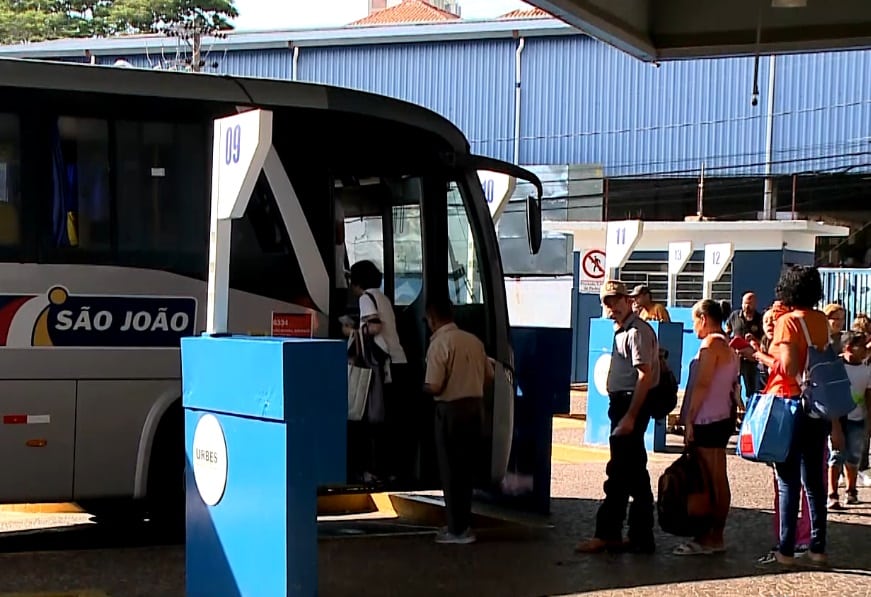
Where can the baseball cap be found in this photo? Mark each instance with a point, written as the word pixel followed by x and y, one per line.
pixel 612 288
pixel 639 290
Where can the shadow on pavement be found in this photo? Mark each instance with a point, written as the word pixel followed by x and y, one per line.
pixel 506 562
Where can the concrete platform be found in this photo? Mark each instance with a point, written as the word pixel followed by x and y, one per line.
pixel 508 560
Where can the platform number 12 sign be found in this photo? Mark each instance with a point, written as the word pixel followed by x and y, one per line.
pixel 718 256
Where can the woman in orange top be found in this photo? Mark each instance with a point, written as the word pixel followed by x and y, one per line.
pixel 799 289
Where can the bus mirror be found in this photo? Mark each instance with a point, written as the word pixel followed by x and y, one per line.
pixel 533 202
pixel 533 223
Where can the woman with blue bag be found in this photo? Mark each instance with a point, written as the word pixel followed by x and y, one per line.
pixel 799 290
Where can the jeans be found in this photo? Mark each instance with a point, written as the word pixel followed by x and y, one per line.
pixel 804 466
pixel 854 443
pixel 627 477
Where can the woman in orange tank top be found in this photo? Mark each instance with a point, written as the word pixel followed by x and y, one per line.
pixel 799 290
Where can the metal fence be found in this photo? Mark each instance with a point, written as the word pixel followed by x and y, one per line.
pixel 848 287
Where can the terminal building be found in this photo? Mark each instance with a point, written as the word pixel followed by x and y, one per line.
pixel 612 137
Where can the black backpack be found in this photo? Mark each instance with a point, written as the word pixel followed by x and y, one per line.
pixel 682 482
pixel 662 398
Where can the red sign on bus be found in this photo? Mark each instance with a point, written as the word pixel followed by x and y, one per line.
pixel 292 325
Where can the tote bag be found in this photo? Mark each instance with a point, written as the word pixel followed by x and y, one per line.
pixel 767 429
pixel 359 382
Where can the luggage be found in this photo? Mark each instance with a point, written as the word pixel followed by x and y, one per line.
pixel 825 385
pixel 662 398
pixel 684 503
pixel 767 429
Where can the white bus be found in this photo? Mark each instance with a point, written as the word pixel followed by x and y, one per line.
pixel 104 198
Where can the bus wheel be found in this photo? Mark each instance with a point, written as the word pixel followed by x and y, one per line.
pixel 166 499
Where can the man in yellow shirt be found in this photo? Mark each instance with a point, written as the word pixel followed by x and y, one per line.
pixel 648 310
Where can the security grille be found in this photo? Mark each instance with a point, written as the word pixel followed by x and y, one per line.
pixel 654 274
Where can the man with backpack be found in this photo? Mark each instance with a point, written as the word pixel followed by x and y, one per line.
pixel 634 371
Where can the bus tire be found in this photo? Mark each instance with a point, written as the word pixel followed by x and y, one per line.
pixel 165 500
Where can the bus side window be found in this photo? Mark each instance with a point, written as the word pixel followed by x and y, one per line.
pixel 10 182
pixel 80 177
pixel 464 269
pixel 162 195
pixel 464 275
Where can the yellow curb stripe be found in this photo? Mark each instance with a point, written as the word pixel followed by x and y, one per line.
pixel 60 508
pixel 578 455
pixel 384 504
pixel 81 593
pixel 568 423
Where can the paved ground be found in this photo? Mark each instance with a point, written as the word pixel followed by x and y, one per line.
pixel 504 563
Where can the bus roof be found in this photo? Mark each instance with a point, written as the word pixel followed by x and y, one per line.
pixel 265 93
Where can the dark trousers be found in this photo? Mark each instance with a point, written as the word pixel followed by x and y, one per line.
pixel 458 428
pixel 627 477
pixel 804 466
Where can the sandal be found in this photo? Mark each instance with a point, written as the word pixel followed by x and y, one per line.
pixel 691 548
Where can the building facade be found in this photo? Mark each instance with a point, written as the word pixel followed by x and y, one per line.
pixel 676 139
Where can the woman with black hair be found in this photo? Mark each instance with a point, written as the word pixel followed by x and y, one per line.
pixel 799 290
pixel 380 337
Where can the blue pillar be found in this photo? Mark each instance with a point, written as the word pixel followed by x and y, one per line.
pixel 598 426
pixel 265 425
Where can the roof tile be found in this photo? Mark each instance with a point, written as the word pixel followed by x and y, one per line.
pixel 533 12
pixel 408 11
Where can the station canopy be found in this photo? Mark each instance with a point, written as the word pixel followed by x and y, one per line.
pixel 671 29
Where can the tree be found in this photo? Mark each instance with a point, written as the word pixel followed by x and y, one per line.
pixel 188 20
pixel 37 20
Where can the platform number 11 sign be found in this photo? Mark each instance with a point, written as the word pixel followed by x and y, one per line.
pixel 621 239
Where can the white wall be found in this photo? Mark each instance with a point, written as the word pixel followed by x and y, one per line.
pixel 539 302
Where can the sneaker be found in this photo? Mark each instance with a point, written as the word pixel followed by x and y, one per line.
pixel 448 538
pixel 774 558
pixel 834 504
pixel 865 478
pixel 852 499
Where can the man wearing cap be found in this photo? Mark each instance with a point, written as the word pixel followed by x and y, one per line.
pixel 648 310
pixel 634 369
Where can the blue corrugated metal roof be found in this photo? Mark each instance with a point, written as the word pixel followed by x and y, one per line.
pixel 599 105
pixel 823 108
pixel 470 83
pixel 465 30
pixel 582 101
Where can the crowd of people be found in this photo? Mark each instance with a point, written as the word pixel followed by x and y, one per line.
pixel 768 351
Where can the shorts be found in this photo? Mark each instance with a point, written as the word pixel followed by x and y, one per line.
pixel 714 435
pixel 854 443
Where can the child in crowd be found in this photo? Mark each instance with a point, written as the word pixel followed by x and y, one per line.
pixel 849 433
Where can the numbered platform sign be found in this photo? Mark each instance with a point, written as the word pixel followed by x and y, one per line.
pixel 718 256
pixel 621 240
pixel 679 254
pixel 239 150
